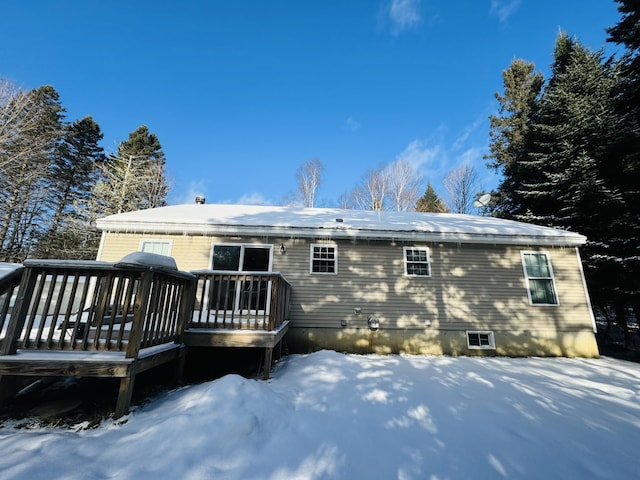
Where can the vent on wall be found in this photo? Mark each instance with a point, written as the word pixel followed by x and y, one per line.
pixel 480 340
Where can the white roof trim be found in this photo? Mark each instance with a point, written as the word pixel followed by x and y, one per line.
pixel 244 220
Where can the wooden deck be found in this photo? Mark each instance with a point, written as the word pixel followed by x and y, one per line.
pixel 97 319
pixel 247 309
pixel 93 319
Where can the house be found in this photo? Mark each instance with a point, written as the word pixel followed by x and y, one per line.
pixel 383 282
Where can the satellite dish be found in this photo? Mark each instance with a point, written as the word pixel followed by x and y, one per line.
pixel 483 201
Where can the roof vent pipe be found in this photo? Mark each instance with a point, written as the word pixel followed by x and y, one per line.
pixel 200 200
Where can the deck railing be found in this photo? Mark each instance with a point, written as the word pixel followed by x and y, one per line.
pixel 82 306
pixel 9 284
pixel 247 300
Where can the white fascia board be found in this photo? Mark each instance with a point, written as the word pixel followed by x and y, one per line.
pixel 336 233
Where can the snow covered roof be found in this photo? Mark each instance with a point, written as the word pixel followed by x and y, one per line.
pixel 225 219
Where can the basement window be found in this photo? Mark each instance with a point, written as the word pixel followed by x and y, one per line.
pixel 480 340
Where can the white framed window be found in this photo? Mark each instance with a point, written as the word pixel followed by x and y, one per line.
pixel 538 273
pixel 416 261
pixel 161 247
pixel 480 340
pixel 323 259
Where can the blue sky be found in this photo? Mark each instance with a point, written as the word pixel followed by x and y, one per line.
pixel 241 93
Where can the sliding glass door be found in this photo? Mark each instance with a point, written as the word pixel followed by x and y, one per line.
pixel 241 293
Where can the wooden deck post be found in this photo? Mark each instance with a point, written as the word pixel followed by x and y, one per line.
pixel 139 314
pixel 124 395
pixel 23 299
pixel 268 356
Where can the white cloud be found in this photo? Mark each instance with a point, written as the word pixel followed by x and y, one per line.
pixel 352 124
pixel 440 153
pixel 419 154
pixel 468 130
pixel 503 9
pixel 193 190
pixel 254 198
pixel 471 156
pixel 404 15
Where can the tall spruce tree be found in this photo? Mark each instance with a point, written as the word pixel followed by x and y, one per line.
pixel 566 141
pixel 624 154
pixel 560 175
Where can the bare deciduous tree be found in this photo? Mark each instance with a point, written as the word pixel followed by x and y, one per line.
pixel 20 117
pixel 371 193
pixel 309 177
pixel 461 185
pixel 30 124
pixel 404 185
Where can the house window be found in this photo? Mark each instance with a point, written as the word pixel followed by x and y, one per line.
pixel 161 247
pixel 539 276
pixel 241 257
pixel 416 262
pixel 324 259
pixel 480 340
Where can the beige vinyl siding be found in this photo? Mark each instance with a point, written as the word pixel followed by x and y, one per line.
pixel 190 252
pixel 471 287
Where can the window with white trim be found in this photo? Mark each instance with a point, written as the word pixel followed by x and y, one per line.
pixel 324 258
pixel 539 275
pixel 480 340
pixel 161 247
pixel 416 262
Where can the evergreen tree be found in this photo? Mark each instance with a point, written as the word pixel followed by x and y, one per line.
pixel 560 173
pixel 134 179
pixel 566 141
pixel 573 129
pixel 624 155
pixel 72 176
pixel 143 154
pixel 508 131
pixel 430 202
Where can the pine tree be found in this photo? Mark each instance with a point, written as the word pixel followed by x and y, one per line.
pixel 430 202
pixel 134 179
pixel 72 176
pixel 508 131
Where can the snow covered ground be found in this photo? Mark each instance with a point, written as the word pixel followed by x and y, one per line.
pixel 330 415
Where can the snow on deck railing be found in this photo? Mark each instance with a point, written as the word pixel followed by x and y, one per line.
pixel 233 300
pixel 82 305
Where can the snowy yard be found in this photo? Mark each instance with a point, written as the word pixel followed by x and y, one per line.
pixel 330 415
